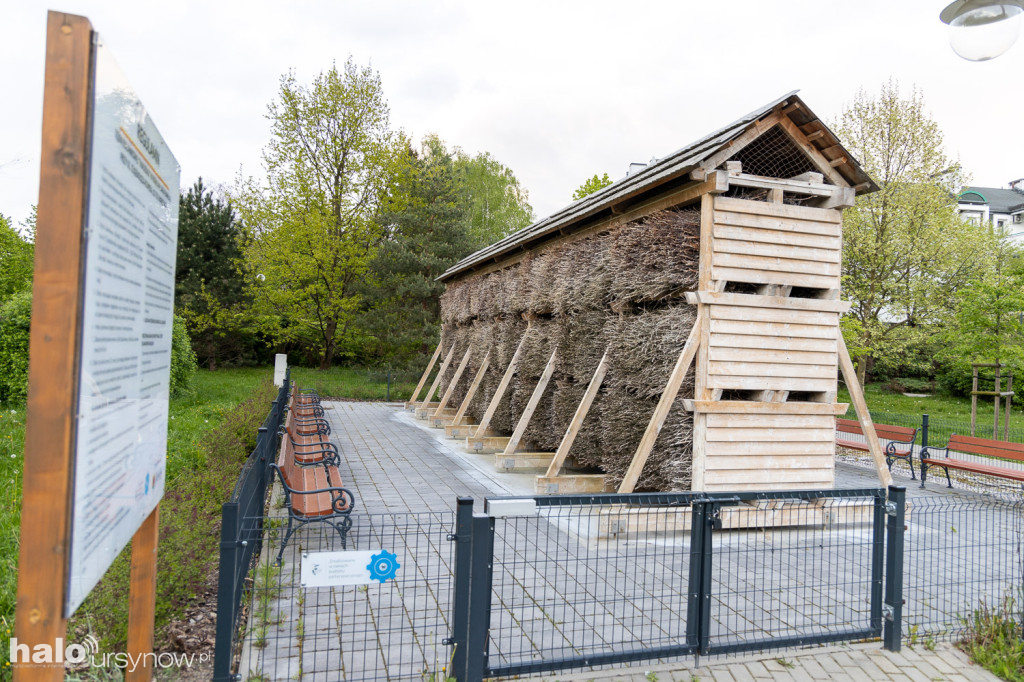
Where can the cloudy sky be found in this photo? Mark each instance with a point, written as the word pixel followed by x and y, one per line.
pixel 557 91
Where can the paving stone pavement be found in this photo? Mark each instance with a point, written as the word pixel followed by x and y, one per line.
pixel 559 591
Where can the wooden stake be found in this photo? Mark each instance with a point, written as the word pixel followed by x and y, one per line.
pixel 440 373
pixel 455 380
pixel 668 397
pixel 863 415
pixel 502 387
pixel 53 344
pixel 577 419
pixel 142 596
pixel 524 419
pixel 426 373
pixel 472 389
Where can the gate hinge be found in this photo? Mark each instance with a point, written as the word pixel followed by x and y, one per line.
pixel 890 508
pixel 451 537
pixel 448 641
pixel 887 612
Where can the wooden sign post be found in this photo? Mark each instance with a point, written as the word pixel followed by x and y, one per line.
pixel 100 346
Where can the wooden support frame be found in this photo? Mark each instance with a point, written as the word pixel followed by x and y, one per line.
pixel 437 379
pixel 426 373
pixel 863 415
pixel 451 385
pixel 531 406
pixel 460 415
pixel 819 160
pixel 499 393
pixel 577 420
pixel 668 397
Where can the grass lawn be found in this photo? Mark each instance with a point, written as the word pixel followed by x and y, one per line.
pixel 937 406
pixel 356 384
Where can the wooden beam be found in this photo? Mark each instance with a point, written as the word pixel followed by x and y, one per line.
pixel 142 596
pixel 842 199
pixel 52 374
pixel 811 137
pixel 753 407
pixel 472 389
pixel 815 156
pixel 738 143
pixel 668 397
pixel 577 419
pixel 451 385
pixel 426 373
pixel 821 305
pixel 437 379
pixel 863 415
pixel 499 393
pixel 794 185
pixel 531 406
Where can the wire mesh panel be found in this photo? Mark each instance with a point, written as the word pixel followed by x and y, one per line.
pixel 959 554
pixel 393 630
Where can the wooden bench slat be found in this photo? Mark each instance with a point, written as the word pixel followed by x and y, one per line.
pixel 984 446
pixel 887 431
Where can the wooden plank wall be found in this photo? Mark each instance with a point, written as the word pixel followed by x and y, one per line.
pixel 771 345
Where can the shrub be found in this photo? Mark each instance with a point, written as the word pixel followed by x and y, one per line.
pixel 183 359
pixel 15 321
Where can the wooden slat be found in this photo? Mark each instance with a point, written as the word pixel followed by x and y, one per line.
pixel 766 342
pixel 142 596
pixel 499 392
pixel 453 383
pixel 797 518
pixel 743 434
pixel 461 414
pixel 772 462
pixel 759 208
pixel 778 421
pixel 768 369
pixel 531 405
pixel 783 251
pixel 755 222
pixel 774 329
pixel 668 396
pixel 768 236
pixel 788 357
pixel 722 448
pixel 577 419
pixel 863 416
pixel 751 261
pixel 753 407
pixel 984 446
pixel 754 383
pixel 820 305
pixel 887 431
pixel 437 380
pixel 426 373
pixel 770 479
pixel 795 279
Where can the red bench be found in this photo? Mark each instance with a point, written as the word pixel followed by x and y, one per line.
pixel 313 488
pixel 900 446
pixel 973 446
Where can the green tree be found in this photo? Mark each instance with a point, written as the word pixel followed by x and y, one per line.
pixel 311 228
pixel 15 322
pixel 210 279
pixel 906 252
pixel 427 227
pixel 16 260
pixel 591 185
pixel 498 205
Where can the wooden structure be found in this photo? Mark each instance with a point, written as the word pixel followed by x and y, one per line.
pixel 765 349
pixel 997 393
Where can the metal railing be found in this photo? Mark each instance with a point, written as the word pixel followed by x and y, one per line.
pixel 241 532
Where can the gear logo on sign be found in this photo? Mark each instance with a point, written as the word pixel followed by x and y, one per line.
pixel 383 566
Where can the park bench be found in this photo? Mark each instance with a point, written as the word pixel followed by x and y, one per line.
pixel 313 489
pixel 900 446
pixel 984 447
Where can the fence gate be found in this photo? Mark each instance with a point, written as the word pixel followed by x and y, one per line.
pixel 555 582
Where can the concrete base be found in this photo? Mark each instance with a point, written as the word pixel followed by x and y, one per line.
pixel 463 431
pixel 492 444
pixel 523 462
pixel 428 412
pixel 417 405
pixel 573 483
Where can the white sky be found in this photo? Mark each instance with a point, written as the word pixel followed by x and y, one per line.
pixel 557 91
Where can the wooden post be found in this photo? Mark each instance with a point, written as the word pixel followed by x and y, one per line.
pixel 142 596
pixel 995 411
pixel 577 420
pixel 499 393
pixel 472 389
pixel 701 391
pixel 863 415
pixel 524 419
pixel 451 386
pixel 426 373
pixel 974 397
pixel 668 397
pixel 440 373
pixel 53 344
pixel 1009 397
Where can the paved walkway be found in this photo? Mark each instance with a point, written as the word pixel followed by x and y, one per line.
pixel 559 589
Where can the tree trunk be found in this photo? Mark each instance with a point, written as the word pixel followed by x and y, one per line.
pixel 328 357
pixel 862 369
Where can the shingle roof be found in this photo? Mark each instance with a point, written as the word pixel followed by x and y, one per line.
pixel 666 169
pixel 999 200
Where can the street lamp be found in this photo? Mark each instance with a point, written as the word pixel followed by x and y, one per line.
pixel 980 30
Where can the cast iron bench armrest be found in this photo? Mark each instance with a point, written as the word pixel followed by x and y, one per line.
pixel 337 493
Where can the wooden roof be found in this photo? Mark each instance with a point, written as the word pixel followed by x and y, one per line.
pixel 674 170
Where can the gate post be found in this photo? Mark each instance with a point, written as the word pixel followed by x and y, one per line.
pixel 226 592
pixel 877 564
pixel 480 598
pixel 698 608
pixel 895 508
pixel 461 599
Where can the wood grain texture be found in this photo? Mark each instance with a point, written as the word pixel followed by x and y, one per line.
pixel 437 380
pixel 460 416
pixel 142 595
pixel 499 392
pixel 426 373
pixel 531 405
pixel 863 416
pixel 577 420
pixel 451 385
pixel 53 346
